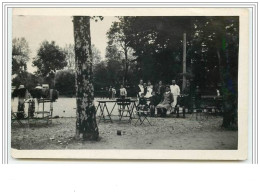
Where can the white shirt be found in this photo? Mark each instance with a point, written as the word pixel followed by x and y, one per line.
pixel 114 91
pixel 149 91
pixel 123 91
pixel 141 87
pixel 175 89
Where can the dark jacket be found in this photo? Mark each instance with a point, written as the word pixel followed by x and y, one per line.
pixel 155 100
pixel 142 101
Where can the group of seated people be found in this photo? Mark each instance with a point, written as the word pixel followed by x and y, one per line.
pixel 160 97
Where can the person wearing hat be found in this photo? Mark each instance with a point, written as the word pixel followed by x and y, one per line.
pixel 175 90
pixel 38 86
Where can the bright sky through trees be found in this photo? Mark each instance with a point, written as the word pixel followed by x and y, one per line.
pixel 36 29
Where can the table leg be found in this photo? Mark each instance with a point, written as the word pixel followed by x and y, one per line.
pixel 101 112
pixel 97 107
pixel 108 113
pixel 132 110
pixel 112 109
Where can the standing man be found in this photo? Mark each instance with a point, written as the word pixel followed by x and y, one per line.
pixel 110 92
pixel 113 93
pixel 175 90
pixel 140 88
pixel 123 92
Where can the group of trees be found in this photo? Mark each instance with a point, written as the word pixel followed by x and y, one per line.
pixel 55 65
pixel 155 45
pixel 50 58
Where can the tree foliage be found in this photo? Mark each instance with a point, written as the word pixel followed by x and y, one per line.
pixel 69 50
pixel 20 55
pixel 119 39
pixel 70 56
pixel 27 79
pixel 65 82
pixel 50 58
pixel 212 52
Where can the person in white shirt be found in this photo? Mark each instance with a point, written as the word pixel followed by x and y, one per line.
pixel 149 90
pixel 123 92
pixel 140 88
pixel 175 90
pixel 113 93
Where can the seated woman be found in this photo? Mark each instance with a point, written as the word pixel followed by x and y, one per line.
pixel 166 103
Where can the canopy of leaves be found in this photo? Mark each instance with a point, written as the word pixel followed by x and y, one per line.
pixel 65 82
pixel 27 79
pixel 70 56
pixel 50 58
pixel 157 43
pixel 20 55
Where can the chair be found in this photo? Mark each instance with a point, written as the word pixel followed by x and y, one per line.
pixel 180 104
pixel 124 106
pixel 15 117
pixel 142 116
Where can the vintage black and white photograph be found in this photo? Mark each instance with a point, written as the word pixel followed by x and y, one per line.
pixel 96 82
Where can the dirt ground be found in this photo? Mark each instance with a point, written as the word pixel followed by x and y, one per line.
pixel 165 133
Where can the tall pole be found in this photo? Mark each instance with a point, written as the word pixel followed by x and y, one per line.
pixel 184 81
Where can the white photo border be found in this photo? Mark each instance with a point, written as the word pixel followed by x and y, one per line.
pixel 253 69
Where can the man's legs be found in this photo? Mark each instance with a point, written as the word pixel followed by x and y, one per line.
pixel 159 111
pixel 174 101
pixel 164 111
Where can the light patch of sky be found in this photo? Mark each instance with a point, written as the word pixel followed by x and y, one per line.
pixel 36 29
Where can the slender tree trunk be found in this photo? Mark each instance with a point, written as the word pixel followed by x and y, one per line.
pixel 86 113
pixel 184 82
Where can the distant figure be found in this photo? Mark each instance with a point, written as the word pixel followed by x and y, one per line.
pixel 106 92
pixel 140 88
pixel 197 97
pixel 123 92
pixel 166 103
pixel 110 92
pixel 187 97
pixel 218 93
pixel 175 90
pixel 113 93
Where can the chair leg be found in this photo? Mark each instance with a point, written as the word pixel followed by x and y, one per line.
pixel 145 118
pixel 148 121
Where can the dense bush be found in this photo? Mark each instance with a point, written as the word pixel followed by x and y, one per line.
pixel 65 82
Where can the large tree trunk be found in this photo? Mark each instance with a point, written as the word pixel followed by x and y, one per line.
pixel 229 102
pixel 86 113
